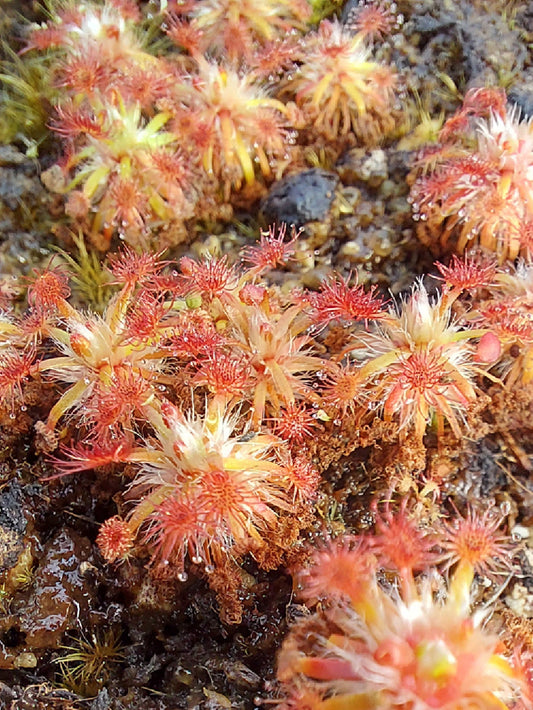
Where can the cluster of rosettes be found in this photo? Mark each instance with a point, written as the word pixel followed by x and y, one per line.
pixel 503 307
pixel 413 644
pixel 508 313
pixel 155 137
pixel 214 481
pixel 417 363
pixel 212 385
pixel 475 186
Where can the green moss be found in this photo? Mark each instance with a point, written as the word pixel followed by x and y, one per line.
pixel 324 8
pixel 26 97
pixel 91 280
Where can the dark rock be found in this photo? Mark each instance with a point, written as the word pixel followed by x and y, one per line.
pixel 304 197
pixel 521 94
pixel 13 524
pixel 425 24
